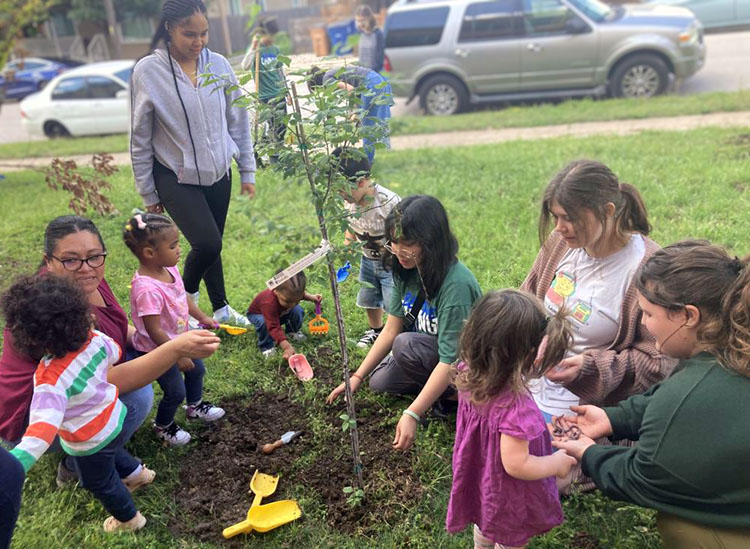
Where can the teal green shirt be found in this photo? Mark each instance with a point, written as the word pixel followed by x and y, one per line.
pixel 271 73
pixel 693 454
pixel 444 315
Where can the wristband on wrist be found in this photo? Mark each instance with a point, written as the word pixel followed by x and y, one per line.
pixel 412 415
pixel 355 374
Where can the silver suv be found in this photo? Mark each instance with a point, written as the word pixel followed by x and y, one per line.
pixel 455 53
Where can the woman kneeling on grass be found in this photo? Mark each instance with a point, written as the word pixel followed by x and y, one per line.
pixel 432 296
pixel 693 454
pixel 73 249
pixel 49 316
pixel 587 265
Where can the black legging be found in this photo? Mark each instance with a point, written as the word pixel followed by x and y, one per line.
pixel 200 213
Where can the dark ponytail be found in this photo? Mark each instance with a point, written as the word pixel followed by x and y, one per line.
pixel 590 185
pixel 172 13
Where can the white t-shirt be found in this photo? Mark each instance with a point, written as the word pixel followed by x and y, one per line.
pixel 593 290
pixel 368 222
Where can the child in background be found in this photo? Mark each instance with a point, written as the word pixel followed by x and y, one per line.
pixel 271 86
pixel 51 316
pixel 160 309
pixel 371 45
pixel 369 204
pixel 272 309
pixel 503 465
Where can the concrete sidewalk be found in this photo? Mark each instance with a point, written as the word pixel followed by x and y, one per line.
pixel 486 137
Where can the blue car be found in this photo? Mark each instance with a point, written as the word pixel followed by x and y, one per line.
pixel 23 77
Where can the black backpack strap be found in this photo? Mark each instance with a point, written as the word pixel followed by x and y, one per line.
pixel 411 317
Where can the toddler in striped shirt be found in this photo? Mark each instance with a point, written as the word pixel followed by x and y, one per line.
pixel 48 315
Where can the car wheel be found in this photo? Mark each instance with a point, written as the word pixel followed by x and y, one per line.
pixel 443 95
pixel 640 76
pixel 54 130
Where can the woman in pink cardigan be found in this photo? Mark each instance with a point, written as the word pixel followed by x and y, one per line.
pixel 587 265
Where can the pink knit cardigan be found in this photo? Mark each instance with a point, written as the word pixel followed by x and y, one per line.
pixel 631 364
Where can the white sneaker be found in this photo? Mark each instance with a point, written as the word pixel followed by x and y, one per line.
pixel 172 434
pixel 297 336
pixel 204 410
pixel 268 353
pixel 227 315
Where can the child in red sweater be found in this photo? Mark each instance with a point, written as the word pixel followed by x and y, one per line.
pixel 272 309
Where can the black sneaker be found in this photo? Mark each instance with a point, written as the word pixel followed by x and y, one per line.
pixel 368 338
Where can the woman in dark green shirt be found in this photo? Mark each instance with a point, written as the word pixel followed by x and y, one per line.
pixel 421 252
pixel 692 461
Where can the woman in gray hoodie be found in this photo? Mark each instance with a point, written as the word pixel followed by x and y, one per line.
pixel 183 137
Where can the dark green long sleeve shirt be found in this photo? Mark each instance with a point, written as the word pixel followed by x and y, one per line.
pixel 693 454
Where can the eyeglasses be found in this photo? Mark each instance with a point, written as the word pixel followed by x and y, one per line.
pixel 74 264
pixel 401 253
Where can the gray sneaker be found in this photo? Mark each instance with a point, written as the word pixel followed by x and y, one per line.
pixel 64 475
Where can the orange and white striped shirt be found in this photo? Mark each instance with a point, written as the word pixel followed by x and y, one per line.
pixel 73 398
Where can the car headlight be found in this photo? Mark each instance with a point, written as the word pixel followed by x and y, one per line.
pixel 689 36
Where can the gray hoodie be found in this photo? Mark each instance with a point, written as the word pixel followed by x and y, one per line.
pixel 159 128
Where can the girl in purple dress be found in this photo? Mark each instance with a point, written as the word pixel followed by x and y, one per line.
pixel 503 465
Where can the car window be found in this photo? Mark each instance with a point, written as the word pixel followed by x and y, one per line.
pixel 124 74
pixel 32 65
pixel 491 21
pixel 70 88
pixel 101 87
pixel 545 17
pixel 415 27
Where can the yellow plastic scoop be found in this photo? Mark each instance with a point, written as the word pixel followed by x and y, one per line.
pixel 231 330
pixel 262 486
pixel 272 515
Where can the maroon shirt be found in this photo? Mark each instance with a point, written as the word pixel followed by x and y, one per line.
pixel 17 370
pixel 267 304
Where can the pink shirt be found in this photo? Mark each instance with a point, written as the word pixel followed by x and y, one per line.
pixel 149 296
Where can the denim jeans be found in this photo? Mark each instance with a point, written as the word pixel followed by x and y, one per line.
pixel 291 320
pixel 101 474
pixel 379 295
pixel 177 387
pixel 11 481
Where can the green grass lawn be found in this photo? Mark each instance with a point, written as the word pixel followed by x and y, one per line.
pixel 542 114
pixel 695 184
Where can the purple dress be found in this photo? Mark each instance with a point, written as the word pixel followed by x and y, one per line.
pixel 507 510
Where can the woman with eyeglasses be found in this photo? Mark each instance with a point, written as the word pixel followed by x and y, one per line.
pixel 74 249
pixel 433 294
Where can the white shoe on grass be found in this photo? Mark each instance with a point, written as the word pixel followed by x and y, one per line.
pixel 227 315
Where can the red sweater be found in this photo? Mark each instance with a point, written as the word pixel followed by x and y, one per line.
pixel 17 371
pixel 267 304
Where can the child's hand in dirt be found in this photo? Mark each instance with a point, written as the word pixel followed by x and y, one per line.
pixel 196 343
pixel 574 448
pixel 563 463
pixel 185 364
pixel 406 432
pixel 354 383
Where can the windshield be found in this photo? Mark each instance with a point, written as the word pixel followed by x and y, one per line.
pixel 593 9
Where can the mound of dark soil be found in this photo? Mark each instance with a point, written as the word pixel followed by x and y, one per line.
pixel 215 494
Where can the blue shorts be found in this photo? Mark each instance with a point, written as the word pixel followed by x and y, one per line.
pixel 371 271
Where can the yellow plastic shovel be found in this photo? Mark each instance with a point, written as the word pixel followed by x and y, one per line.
pixel 263 518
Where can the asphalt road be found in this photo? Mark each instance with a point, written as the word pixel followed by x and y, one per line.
pixel 727 69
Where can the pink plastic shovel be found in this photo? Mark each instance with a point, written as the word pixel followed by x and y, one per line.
pixel 301 367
